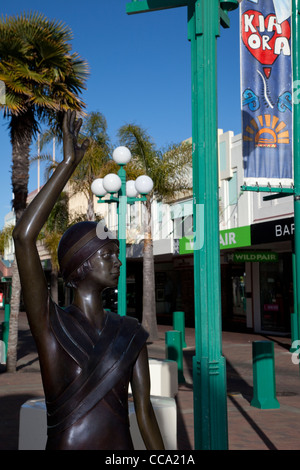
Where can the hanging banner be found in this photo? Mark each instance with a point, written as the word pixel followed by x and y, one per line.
pixel 266 88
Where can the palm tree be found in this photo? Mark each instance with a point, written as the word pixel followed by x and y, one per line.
pixel 96 160
pixel 97 157
pixel 42 78
pixel 54 228
pixel 5 237
pixel 170 171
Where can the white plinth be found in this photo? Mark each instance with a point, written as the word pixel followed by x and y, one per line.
pixel 163 378
pixel 33 424
pixel 166 416
pixel 2 352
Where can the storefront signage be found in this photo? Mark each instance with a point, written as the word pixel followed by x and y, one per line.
pixel 255 257
pixel 230 238
pixel 275 231
pixel 266 232
pixel 235 237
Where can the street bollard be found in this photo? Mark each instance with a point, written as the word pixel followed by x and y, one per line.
pixel 174 351
pixel 5 329
pixel 6 312
pixel 179 325
pixel 264 389
pixel 294 332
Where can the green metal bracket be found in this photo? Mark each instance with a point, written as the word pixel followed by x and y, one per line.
pixel 229 5
pixel 268 189
pixel 276 196
pixel 280 192
pixel 143 6
pixel 107 201
pixel 224 19
pixel 130 200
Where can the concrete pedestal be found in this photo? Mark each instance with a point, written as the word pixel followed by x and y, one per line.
pixel 2 352
pixel 163 377
pixel 33 424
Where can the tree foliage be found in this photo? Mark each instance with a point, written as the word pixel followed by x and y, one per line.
pixel 170 168
pixel 170 171
pixel 5 237
pixel 43 78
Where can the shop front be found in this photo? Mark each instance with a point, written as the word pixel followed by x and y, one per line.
pixel 235 279
pixel 274 299
pixel 257 277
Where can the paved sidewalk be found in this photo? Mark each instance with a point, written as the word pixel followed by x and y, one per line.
pixel 249 428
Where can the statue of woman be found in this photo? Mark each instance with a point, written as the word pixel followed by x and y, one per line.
pixel 87 356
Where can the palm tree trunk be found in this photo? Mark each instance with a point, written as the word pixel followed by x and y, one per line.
pixel 21 136
pixel 11 365
pixel 54 285
pixel 90 214
pixel 149 307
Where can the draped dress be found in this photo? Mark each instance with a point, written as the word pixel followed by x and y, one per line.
pixel 91 412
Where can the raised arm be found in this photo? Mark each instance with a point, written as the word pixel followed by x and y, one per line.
pixel 33 282
pixel 140 385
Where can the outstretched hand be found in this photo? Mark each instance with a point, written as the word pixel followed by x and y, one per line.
pixel 72 151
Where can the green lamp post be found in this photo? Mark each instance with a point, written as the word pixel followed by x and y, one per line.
pixel 296 145
pixel 209 369
pixel 127 193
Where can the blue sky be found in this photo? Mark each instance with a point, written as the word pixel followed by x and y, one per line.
pixel 139 72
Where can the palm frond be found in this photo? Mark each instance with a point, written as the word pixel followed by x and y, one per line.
pixel 170 169
pixel 38 65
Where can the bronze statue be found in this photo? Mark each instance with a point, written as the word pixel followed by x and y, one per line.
pixel 87 356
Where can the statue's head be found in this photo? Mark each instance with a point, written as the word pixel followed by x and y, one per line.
pixel 78 244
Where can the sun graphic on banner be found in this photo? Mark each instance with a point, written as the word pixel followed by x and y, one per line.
pixel 266 131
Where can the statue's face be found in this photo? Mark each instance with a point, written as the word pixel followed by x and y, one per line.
pixel 105 266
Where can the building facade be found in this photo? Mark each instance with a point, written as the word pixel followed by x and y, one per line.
pixel 256 251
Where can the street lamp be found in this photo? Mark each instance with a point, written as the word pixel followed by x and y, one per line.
pixel 127 193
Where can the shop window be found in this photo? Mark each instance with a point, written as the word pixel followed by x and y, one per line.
pixel 183 226
pixel 232 190
pixel 276 294
pixel 238 294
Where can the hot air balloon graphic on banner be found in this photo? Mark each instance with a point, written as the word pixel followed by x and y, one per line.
pixel 266 88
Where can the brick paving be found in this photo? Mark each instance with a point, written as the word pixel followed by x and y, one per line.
pixel 249 428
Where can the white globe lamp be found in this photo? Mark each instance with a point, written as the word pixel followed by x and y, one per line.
pixel 112 183
pixel 97 187
pixel 121 155
pixel 144 184
pixel 131 189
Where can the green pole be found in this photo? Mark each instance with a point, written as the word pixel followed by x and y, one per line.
pixel 179 325
pixel 209 368
pixel 122 208
pixel 6 312
pixel 294 315
pixel 209 371
pixel 174 351
pixel 296 150
pixel 264 388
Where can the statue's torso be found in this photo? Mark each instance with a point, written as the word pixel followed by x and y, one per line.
pixel 86 376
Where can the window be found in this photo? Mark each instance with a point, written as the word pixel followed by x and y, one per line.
pixel 232 190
